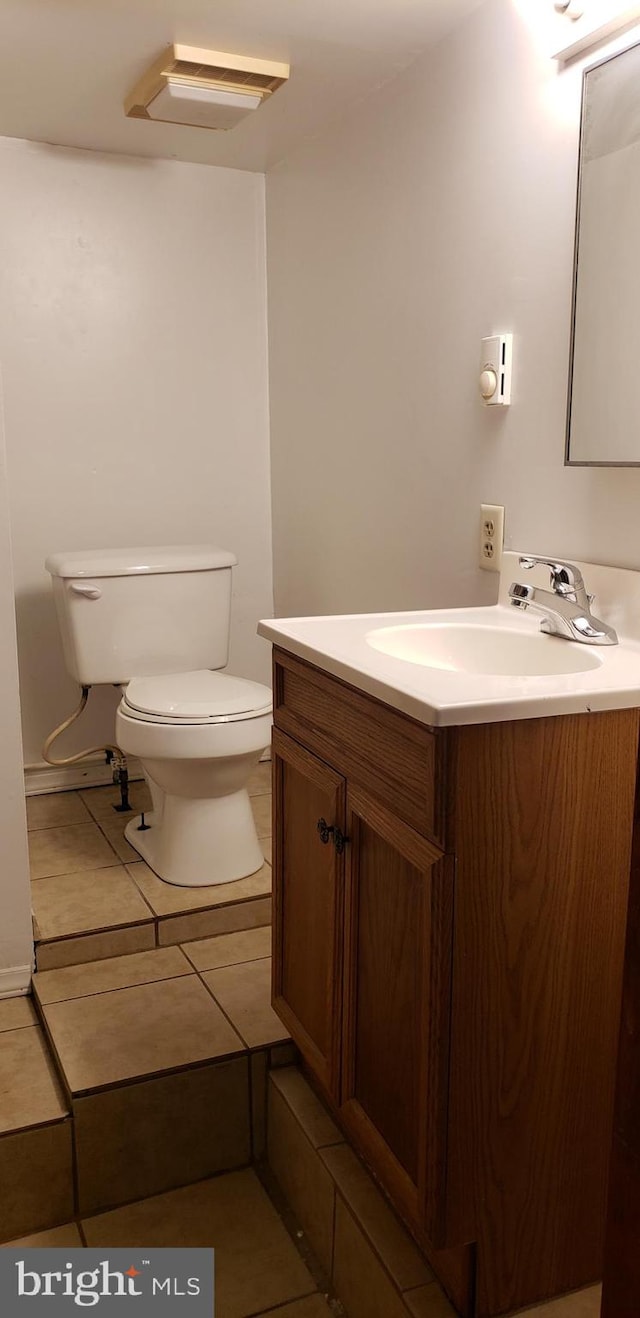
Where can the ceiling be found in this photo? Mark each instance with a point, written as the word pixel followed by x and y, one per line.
pixel 66 66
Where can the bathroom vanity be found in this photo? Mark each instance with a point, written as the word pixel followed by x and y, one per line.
pixel 450 913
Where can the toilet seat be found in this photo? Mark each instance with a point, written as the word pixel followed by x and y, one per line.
pixel 201 697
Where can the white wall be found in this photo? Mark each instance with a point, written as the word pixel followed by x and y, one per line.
pixel 441 211
pixel 16 943
pixel 133 344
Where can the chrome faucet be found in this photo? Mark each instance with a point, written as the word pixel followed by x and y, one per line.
pixel 566 608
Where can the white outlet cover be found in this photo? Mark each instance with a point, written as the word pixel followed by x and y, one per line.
pixel 491 538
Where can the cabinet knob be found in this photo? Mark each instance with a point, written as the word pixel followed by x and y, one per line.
pixel 328 832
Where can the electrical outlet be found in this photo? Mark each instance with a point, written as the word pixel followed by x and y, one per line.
pixel 491 536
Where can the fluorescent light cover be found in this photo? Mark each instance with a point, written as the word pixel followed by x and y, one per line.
pixel 201 107
pixel 602 19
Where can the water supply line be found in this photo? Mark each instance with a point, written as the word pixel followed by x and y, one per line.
pixel 114 755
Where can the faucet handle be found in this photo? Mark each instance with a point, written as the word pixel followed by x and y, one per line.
pixel 566 578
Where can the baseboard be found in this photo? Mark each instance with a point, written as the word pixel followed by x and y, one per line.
pixel 15 981
pixel 40 779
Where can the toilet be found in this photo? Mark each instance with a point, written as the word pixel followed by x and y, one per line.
pixel 155 621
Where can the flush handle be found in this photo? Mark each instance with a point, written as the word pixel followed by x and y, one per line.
pixel 84 588
pixel 328 832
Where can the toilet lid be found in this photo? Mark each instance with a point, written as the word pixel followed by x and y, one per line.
pixel 197 697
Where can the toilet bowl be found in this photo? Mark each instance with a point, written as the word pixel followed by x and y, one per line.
pixel 198 736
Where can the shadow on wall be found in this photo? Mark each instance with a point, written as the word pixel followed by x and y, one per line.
pixel 47 694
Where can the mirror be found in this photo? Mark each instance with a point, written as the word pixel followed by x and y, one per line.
pixel 603 415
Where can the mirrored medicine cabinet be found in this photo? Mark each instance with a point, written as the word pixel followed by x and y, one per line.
pixel 603 412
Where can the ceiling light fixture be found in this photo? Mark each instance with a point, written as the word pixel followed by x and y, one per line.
pixel 594 21
pixel 203 88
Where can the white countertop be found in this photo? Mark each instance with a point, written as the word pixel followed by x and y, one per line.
pixel 442 698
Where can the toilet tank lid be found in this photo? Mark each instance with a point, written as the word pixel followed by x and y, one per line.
pixel 138 562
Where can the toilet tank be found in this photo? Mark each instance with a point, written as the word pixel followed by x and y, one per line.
pixel 127 613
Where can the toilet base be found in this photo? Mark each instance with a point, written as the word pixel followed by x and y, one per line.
pixel 195 843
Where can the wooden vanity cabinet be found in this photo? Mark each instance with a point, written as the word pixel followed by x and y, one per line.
pixel 448 958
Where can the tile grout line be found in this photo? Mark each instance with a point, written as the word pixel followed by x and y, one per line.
pixel 157 921
pixel 76 823
pixel 190 970
pixel 314 1148
pixel 72 937
pixel 36 1125
pixel 359 1225
pixel 334 1144
pixel 121 860
pixel 252 1047
pixel 297 1299
pixel 194 910
pixel 90 869
pixel 42 828
pixel 227 1016
pixel 122 988
pixel 198 1064
pixel 55 1058
pixel 84 824
pixel 181 940
pixel 13 1029
pixel 98 993
pixel 250 1088
pixel 139 890
pixel 158 1194
pixel 75 1171
pixel 322 1280
pixel 226 965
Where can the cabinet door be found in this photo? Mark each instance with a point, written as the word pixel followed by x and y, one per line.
pixel 308 890
pixel 397 985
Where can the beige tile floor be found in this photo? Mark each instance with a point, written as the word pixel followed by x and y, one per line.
pixel 127 1046
pixel 107 1038
pixel 16 1013
pixel 258 1269
pixel 36 1185
pixel 112 973
pixel 30 1092
pixel 162 1010
pixel 93 896
pixel 244 993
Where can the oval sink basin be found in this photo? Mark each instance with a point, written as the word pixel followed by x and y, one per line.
pixel 492 651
